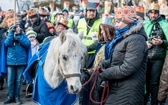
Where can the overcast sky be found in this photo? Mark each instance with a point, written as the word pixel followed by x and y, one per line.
pixel 7 4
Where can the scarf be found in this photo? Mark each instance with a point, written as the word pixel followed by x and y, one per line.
pixel 109 46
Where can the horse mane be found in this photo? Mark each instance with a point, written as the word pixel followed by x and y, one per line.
pixel 66 43
pixel 67 40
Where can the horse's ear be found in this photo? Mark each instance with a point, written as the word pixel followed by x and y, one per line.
pixel 62 36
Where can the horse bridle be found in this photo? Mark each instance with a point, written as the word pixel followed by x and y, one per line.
pixel 69 75
pixel 72 75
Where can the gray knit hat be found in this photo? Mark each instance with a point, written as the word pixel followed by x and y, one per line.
pixel 91 6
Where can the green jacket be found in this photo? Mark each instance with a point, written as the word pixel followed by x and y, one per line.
pixel 163 24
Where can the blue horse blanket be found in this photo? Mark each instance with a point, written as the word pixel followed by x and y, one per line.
pixel 43 94
pixel 3 50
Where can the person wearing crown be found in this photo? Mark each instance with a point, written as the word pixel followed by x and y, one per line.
pixel 125 64
pixel 139 12
pixel 17 57
pixel 38 25
pixel 55 31
pixel 43 13
pixel 156 30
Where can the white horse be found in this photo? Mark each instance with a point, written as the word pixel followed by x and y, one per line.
pixel 62 64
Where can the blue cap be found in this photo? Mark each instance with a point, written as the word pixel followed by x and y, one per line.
pixel 91 6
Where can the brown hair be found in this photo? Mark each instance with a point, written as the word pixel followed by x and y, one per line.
pixel 109 32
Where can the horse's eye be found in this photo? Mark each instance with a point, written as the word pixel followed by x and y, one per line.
pixel 64 57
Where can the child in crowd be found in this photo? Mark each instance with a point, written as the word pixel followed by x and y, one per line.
pixel 34 43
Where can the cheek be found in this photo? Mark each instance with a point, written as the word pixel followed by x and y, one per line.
pixel 95 14
pixel 117 25
pixel 156 15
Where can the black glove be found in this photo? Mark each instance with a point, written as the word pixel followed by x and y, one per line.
pixel 101 70
pixel 161 103
pixel 84 75
pixel 102 64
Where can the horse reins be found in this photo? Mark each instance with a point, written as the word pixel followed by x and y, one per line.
pixel 95 73
pixel 105 88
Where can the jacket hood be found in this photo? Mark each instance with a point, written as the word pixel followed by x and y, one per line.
pixel 138 29
pixel 91 21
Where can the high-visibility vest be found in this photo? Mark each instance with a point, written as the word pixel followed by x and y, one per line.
pixel 70 23
pixel 87 38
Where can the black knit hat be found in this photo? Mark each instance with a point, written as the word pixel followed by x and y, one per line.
pixel 23 15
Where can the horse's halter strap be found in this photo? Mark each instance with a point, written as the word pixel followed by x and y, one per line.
pixel 71 75
pixel 68 75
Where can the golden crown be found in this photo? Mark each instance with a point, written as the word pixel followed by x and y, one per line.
pixel 125 11
pixel 164 9
pixel 31 12
pixel 162 2
pixel 154 6
pixel 139 9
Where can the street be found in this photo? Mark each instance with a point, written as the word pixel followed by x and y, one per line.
pixel 25 101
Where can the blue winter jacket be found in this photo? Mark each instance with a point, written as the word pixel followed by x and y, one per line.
pixel 17 49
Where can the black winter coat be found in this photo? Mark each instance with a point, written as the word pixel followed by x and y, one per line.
pixel 40 28
pixel 126 69
pixel 22 25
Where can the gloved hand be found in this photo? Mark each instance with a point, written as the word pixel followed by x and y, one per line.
pixel 84 75
pixel 101 70
pixel 102 64
pixel 161 103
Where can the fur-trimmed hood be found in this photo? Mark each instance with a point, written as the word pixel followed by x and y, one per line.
pixel 138 29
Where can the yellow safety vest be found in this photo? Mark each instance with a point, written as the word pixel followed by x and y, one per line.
pixel 70 23
pixel 87 38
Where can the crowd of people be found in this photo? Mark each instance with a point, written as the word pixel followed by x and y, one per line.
pixel 130 51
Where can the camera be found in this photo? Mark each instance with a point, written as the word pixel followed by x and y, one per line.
pixel 155 34
pixel 12 28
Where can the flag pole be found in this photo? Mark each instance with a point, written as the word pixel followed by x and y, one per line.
pixel 14 11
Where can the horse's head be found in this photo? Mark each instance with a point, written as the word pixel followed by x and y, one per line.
pixel 71 53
